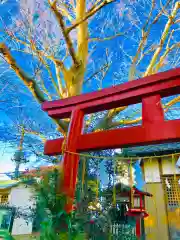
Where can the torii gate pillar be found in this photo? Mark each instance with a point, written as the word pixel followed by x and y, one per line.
pixel 70 161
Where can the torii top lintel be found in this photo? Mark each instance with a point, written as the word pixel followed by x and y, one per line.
pixel 148 90
pixel 164 84
pixel 154 129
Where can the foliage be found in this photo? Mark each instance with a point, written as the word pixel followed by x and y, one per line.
pixel 5 235
pixel 50 204
pixel 53 220
pixel 50 207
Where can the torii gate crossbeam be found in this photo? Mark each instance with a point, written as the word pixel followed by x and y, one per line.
pixel 154 129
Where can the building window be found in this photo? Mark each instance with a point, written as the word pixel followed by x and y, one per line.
pixel 5 221
pixel 172 190
pixel 136 202
pixel 4 198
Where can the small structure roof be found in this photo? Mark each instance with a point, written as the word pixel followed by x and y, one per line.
pixel 5 184
pixel 124 190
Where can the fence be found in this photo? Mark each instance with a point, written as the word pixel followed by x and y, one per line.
pixel 123 232
pixel 117 232
pixel 171 186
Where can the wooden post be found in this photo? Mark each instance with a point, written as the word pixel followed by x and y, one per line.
pixel 152 111
pixel 71 161
pixel 141 202
pixel 138 228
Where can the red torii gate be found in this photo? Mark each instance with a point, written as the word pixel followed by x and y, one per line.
pixel 154 130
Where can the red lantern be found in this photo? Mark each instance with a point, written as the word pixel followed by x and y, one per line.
pixel 137 209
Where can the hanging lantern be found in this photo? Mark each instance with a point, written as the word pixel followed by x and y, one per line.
pixel 137 209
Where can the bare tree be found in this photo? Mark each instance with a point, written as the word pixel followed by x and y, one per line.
pixel 59 49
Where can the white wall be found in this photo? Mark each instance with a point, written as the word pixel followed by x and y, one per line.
pixel 151 170
pixel 168 167
pixel 21 197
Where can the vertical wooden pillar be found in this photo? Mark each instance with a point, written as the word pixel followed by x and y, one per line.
pixel 141 202
pixel 152 118
pixel 71 161
pixel 138 228
pixel 152 111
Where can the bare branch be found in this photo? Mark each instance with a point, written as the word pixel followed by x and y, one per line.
pixel 89 14
pixel 34 49
pixel 104 67
pixel 141 44
pixel 41 136
pixel 163 39
pixel 145 33
pixel 125 122
pixel 29 82
pixel 67 38
pixel 106 38
pixel 65 10
pixel 47 67
pixel 163 57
